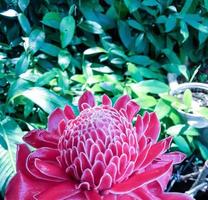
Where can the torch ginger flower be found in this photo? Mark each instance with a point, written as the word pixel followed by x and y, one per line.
pixel 97 155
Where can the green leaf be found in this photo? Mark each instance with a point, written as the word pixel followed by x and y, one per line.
pixel 132 5
pixel 186 6
pixel 22 64
pixel 49 101
pixel 46 78
pixel 203 111
pixel 140 60
pixel 91 26
pixel 50 49
pixel 11 134
pixel 162 109
pixel 146 101
pixel 135 24
pixel 184 30
pixel 170 23
pixel 94 50
pixel 52 19
pixel 24 23
pixel 203 150
pixel 182 129
pixel 64 59
pixel 182 145
pixel 23 4
pixel 187 98
pixel 133 71
pixel 9 13
pixel 67 29
pixel 206 4
pixel 192 20
pixel 36 40
pixel 152 86
pixel 124 33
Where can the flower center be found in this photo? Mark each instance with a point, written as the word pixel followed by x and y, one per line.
pixel 98 148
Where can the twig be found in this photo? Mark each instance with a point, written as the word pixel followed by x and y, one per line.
pixel 194 190
pixel 201 181
pixel 202 175
pixel 189 176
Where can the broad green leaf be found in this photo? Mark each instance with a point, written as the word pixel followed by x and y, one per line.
pixel 94 50
pixel 162 109
pixel 133 71
pixel 194 22
pixel 203 111
pixel 49 101
pixel 182 129
pixel 187 98
pixel 91 26
pixel 186 6
pixel 140 60
pixel 206 4
pixel 67 29
pixel 23 4
pixel 50 49
pixel 152 86
pixel 172 56
pixel 135 24
pixel 80 78
pixel 52 19
pixel 184 30
pixel 11 134
pixel 146 101
pixel 24 23
pixel 36 40
pixel 203 150
pixel 170 23
pixel 64 59
pixel 46 78
pixel 9 13
pixel 124 33
pixel 182 145
pixel 22 64
pixel 16 88
pixel 132 5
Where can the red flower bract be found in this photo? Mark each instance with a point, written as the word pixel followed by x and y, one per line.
pixel 98 154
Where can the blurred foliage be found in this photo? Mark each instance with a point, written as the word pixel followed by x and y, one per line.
pixel 51 51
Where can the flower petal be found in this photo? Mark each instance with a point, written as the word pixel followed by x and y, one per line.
pixel 132 109
pixel 41 138
pixel 106 100
pixel 174 196
pixel 155 150
pixel 140 179
pixel 68 112
pixel 145 194
pixel 53 120
pixel 64 190
pixel 48 158
pixel 176 157
pixel 121 102
pixel 21 187
pixel 92 195
pixel 153 128
pixel 87 98
pixel 22 154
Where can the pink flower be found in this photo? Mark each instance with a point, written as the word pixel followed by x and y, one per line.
pixel 96 155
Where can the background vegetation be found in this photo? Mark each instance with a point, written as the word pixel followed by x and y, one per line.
pixel 53 50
